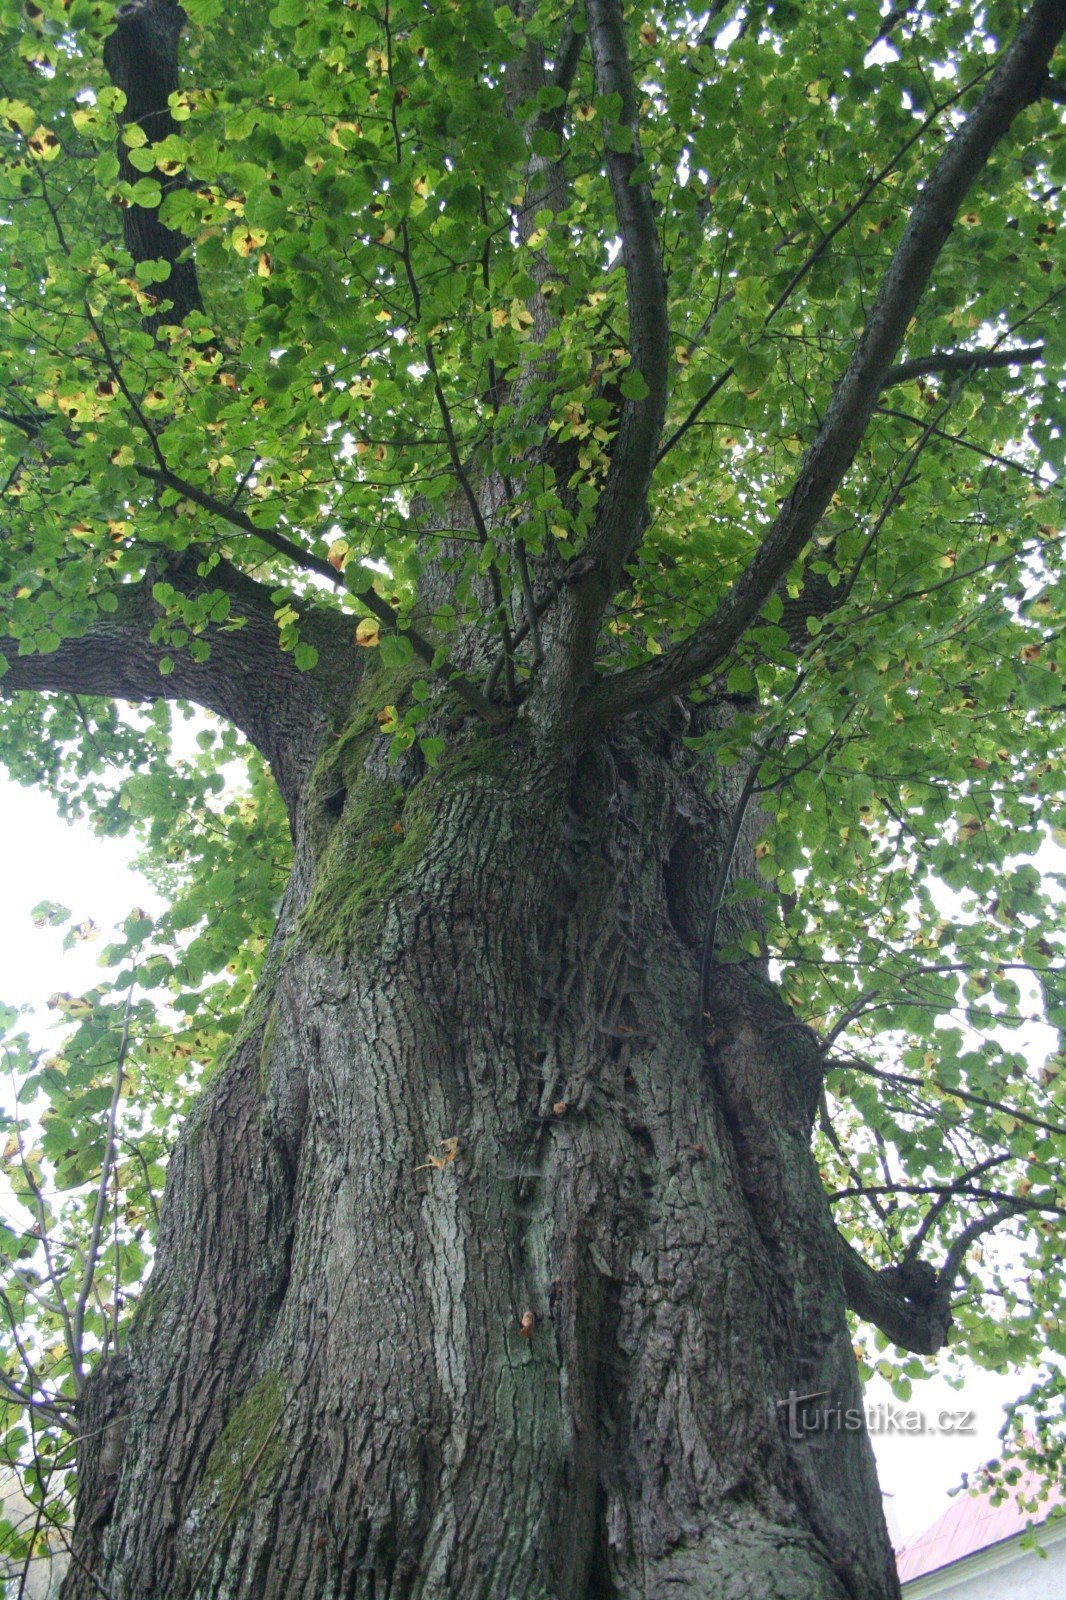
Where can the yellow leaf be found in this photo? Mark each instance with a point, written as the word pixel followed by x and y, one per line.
pixel 368 633
pixel 69 1005
pixel 17 114
pixel 246 240
pixel 43 144
pixel 338 129
pixel 182 105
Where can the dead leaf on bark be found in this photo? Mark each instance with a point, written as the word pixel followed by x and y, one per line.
pixel 450 1148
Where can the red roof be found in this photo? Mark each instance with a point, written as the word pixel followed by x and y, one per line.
pixel 973 1523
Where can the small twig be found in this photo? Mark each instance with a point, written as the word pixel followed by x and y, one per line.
pixel 60 1304
pixel 93 1252
pixel 819 250
pixel 908 1081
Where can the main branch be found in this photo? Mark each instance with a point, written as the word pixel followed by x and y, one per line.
pixel 141 57
pixel 247 678
pixel 622 508
pixel 1017 81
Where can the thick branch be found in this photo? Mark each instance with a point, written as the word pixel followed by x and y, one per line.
pixel 962 361
pixel 31 423
pixel 1015 83
pixel 247 678
pixel 141 57
pixel 912 1303
pixel 622 508
pixel 918 1324
pixel 564 70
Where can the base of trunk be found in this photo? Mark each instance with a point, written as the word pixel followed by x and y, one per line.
pixel 481 1274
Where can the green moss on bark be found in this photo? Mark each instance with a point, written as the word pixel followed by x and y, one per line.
pixel 250 1448
pixel 374 848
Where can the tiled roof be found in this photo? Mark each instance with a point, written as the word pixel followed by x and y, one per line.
pixel 972 1523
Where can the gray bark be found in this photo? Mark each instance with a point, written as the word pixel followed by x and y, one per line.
pixel 549 1367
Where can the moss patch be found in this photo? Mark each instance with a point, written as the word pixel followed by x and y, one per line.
pixel 500 754
pixel 147 1312
pixel 251 1435
pixel 368 854
pixel 379 842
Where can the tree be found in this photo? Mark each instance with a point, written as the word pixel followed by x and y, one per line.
pixel 604 463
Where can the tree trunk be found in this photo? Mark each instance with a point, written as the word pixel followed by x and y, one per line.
pixel 482 1273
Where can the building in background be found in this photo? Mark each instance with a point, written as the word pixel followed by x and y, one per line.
pixel 979 1551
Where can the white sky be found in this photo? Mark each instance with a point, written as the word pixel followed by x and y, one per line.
pixel 48 859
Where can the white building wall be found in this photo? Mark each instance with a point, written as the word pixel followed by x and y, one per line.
pixel 1002 1572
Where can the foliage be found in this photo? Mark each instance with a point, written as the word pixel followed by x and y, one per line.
pixel 399 278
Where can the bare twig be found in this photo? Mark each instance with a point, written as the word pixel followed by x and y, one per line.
pixel 93 1252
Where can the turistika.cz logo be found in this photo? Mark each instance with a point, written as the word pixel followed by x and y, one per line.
pixel 808 1413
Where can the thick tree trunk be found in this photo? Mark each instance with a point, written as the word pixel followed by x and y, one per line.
pixel 482 1274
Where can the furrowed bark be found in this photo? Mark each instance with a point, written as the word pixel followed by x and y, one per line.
pixel 465 1283
pixel 1014 85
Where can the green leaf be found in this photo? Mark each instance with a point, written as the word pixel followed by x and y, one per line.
pixel 634 385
